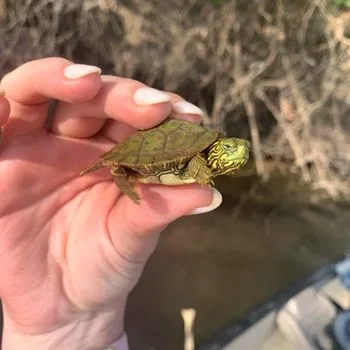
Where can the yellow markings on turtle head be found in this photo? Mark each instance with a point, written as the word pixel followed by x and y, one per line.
pixel 227 155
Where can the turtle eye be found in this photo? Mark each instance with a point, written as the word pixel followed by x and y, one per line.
pixel 228 147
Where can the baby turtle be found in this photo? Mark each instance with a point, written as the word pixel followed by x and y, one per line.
pixel 175 152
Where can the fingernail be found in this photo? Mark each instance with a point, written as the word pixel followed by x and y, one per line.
pixel 185 107
pixel 2 93
pixel 217 200
pixel 146 96
pixel 76 71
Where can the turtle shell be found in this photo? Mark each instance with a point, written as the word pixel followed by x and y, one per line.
pixel 170 144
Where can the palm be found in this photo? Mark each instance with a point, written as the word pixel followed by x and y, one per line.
pixel 59 225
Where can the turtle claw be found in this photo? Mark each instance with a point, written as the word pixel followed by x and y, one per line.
pixel 124 184
pixel 133 196
pixel 130 193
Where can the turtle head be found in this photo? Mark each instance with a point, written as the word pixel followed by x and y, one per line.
pixel 227 155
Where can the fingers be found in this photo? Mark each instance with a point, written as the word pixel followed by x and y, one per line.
pixel 4 108
pixel 129 103
pixel 118 132
pixel 180 109
pixel 134 228
pixel 33 85
pixel 4 112
pixel 125 100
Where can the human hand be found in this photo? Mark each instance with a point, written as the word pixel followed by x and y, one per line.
pixel 72 248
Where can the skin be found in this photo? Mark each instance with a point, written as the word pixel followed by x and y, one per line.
pixel 72 248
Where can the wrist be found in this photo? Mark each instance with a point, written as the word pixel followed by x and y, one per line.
pixel 93 332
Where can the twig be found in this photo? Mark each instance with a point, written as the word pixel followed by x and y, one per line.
pixel 188 316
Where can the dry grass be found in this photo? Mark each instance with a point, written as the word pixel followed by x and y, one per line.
pixel 274 70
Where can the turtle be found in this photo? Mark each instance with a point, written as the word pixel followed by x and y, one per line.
pixel 175 152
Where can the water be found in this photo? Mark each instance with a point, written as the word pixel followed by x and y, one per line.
pixel 225 262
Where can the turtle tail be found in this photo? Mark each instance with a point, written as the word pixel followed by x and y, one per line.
pixel 93 168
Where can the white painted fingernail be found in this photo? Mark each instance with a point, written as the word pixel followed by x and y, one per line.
pixel 217 200
pixel 146 96
pixel 76 71
pixel 184 107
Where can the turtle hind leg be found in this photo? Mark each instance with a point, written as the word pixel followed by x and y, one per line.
pixel 198 170
pixel 126 186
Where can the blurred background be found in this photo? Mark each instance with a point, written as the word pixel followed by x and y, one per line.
pixel 274 71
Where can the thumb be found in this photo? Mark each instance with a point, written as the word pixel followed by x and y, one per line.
pixel 134 228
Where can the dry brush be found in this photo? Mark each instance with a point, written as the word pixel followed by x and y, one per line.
pixel 276 71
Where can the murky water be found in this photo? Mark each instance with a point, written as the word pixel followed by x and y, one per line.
pixel 225 262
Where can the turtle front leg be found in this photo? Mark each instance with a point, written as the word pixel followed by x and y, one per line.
pixel 198 170
pixel 126 186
